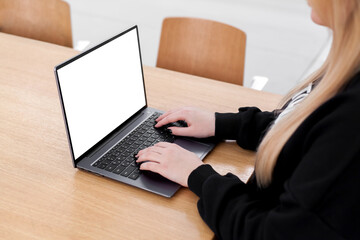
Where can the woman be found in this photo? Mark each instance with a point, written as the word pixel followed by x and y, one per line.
pixel 306 183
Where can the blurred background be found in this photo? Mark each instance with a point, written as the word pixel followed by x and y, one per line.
pixel 283 44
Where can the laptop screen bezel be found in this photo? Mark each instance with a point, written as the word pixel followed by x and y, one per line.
pixel 109 135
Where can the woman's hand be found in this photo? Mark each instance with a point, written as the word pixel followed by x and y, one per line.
pixel 201 124
pixel 169 160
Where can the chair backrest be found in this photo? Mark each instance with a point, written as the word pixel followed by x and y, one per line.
pixel 45 20
pixel 204 48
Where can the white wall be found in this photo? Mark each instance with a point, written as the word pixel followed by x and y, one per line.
pixel 282 41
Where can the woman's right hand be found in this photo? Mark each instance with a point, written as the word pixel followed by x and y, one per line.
pixel 201 124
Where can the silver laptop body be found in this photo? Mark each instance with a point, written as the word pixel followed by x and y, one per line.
pixel 102 94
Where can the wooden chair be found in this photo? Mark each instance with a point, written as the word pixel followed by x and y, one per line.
pixel 45 20
pixel 203 48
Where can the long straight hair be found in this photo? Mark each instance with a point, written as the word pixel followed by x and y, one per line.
pixel 341 65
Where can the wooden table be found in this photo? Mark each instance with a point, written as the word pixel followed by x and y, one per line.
pixel 43 197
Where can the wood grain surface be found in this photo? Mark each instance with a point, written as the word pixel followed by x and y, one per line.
pixel 43 197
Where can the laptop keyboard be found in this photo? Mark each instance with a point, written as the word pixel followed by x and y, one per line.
pixel 121 158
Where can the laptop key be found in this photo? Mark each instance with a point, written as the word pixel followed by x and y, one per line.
pixel 128 171
pixel 115 162
pixel 132 148
pixel 151 131
pixel 107 161
pixel 125 163
pixel 142 147
pixel 125 154
pixel 147 143
pixel 146 135
pixel 119 169
pixel 137 135
pixel 121 149
pixel 121 158
pixel 102 165
pixel 110 168
pixel 134 175
pixel 141 140
pixel 96 163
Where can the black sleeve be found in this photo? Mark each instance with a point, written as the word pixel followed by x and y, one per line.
pixel 320 199
pixel 247 126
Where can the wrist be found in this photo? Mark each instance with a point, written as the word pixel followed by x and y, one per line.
pixel 210 126
pixel 212 133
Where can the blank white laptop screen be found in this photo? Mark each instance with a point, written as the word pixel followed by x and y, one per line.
pixel 101 90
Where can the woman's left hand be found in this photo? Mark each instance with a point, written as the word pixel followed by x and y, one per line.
pixel 169 160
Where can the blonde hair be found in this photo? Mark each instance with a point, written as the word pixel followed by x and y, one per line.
pixel 341 65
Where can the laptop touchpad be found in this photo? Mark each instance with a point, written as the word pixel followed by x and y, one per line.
pixel 200 149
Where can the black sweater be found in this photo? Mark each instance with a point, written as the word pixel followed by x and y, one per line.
pixel 315 192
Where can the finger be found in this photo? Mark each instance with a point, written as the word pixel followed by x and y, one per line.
pixel 173 117
pixel 181 131
pixel 167 114
pixel 150 166
pixel 164 145
pixel 141 152
pixel 149 156
pixel 153 167
pixel 152 148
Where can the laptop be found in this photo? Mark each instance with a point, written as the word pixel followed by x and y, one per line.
pixel 103 98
